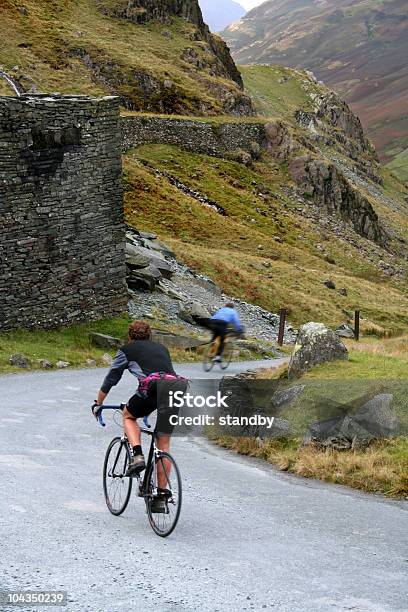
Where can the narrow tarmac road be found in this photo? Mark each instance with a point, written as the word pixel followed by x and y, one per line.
pixel 249 537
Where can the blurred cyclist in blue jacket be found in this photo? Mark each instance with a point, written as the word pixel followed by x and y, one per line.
pixel 225 318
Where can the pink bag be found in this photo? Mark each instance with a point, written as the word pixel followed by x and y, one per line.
pixel 144 384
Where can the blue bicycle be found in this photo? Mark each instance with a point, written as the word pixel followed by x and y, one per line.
pixel 117 486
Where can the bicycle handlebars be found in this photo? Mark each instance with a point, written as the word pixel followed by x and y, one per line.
pixel 98 413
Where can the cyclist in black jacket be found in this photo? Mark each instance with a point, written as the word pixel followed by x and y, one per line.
pixel 144 359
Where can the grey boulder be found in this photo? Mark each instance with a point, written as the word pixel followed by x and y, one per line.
pixel 62 364
pixel 285 397
pixel 104 341
pixel 191 311
pixel 145 278
pixel 315 344
pixel 44 364
pixel 139 257
pixel 158 246
pixel 377 417
pixel 136 256
pixel 345 331
pixel 148 235
pixel 20 361
pixel 175 340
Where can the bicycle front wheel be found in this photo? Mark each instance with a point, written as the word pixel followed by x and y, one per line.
pixel 163 523
pixel 116 486
pixel 208 362
pixel 227 355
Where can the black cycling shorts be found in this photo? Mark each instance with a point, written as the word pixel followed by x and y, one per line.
pixel 157 399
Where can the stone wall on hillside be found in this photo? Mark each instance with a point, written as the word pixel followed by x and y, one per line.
pixel 312 174
pixel 197 136
pixel 62 237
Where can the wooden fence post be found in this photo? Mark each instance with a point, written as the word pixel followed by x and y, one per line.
pixel 282 315
pixel 356 325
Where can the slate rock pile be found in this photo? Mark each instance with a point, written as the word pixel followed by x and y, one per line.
pixel 162 287
pixel 147 260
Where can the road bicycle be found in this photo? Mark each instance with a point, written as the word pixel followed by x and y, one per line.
pixel 117 486
pixel 211 350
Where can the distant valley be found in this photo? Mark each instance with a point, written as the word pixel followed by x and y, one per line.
pixel 218 14
pixel 370 71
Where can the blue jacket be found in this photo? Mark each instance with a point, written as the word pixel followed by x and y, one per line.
pixel 229 315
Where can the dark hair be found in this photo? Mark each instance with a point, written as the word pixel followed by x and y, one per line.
pixel 140 330
pixel 229 305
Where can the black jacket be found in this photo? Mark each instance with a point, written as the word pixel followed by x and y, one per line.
pixel 141 358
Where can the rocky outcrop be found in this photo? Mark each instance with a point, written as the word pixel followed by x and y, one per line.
pixel 333 124
pixel 334 111
pixel 321 180
pixel 279 142
pixel 139 90
pixel 141 11
pixel 315 344
pixel 368 67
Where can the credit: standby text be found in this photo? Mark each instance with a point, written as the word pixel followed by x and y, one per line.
pixel 229 420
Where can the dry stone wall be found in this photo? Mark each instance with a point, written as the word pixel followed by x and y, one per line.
pixel 196 136
pixel 62 236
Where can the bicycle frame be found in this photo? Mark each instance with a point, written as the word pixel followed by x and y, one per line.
pixel 154 452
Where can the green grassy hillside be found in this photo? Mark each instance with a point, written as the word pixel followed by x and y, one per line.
pixel 82 46
pixel 399 164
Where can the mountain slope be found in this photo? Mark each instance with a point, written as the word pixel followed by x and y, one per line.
pixel 311 206
pixel 359 47
pixel 157 56
pixel 218 14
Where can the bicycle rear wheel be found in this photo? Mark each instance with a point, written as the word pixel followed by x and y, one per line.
pixel 116 486
pixel 164 523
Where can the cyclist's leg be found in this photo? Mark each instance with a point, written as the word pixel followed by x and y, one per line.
pixel 220 330
pixel 137 407
pixel 163 443
pixel 164 426
pixel 131 427
pixel 223 333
